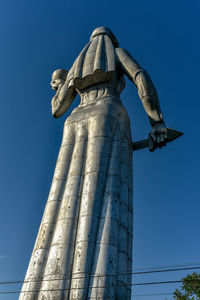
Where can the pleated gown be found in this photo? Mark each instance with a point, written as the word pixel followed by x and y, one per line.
pixel 84 245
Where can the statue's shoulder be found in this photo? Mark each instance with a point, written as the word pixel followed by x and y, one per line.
pixel 123 53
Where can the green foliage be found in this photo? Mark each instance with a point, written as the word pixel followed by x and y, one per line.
pixel 190 289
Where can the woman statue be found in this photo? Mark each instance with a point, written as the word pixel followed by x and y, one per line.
pixel 84 245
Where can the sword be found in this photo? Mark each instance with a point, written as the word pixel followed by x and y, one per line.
pixel 171 135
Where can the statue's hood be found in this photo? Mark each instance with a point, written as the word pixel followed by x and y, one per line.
pixel 107 31
pixel 96 62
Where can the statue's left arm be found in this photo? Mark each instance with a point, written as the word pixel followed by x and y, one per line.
pixel 62 100
pixel 147 94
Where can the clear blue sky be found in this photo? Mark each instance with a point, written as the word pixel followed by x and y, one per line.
pixel 40 36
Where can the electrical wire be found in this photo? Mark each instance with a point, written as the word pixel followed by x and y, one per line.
pixel 98 287
pixel 168 266
pixel 102 275
pixel 146 295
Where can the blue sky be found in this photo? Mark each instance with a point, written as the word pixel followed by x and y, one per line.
pixel 39 36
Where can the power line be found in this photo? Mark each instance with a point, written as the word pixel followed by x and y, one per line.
pixel 168 266
pixel 139 295
pixel 102 275
pixel 146 295
pixel 165 270
pixel 98 287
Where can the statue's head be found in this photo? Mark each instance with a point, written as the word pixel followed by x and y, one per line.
pixel 107 31
pixel 58 77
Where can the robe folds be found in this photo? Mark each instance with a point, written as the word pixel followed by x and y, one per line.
pixel 84 245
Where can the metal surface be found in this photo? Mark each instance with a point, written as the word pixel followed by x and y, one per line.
pixel 87 226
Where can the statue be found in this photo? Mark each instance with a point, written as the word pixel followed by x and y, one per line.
pixel 84 245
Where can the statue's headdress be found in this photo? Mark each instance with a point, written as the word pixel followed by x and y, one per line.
pixel 106 31
pixel 96 62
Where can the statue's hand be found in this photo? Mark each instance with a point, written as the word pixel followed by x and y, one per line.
pixel 158 135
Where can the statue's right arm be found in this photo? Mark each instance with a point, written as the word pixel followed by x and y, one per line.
pixel 62 100
pixel 144 84
pixel 147 94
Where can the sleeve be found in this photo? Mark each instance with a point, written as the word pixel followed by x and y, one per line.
pixel 143 82
pixel 62 100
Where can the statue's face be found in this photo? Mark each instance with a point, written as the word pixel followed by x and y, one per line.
pixel 56 82
pixel 58 78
